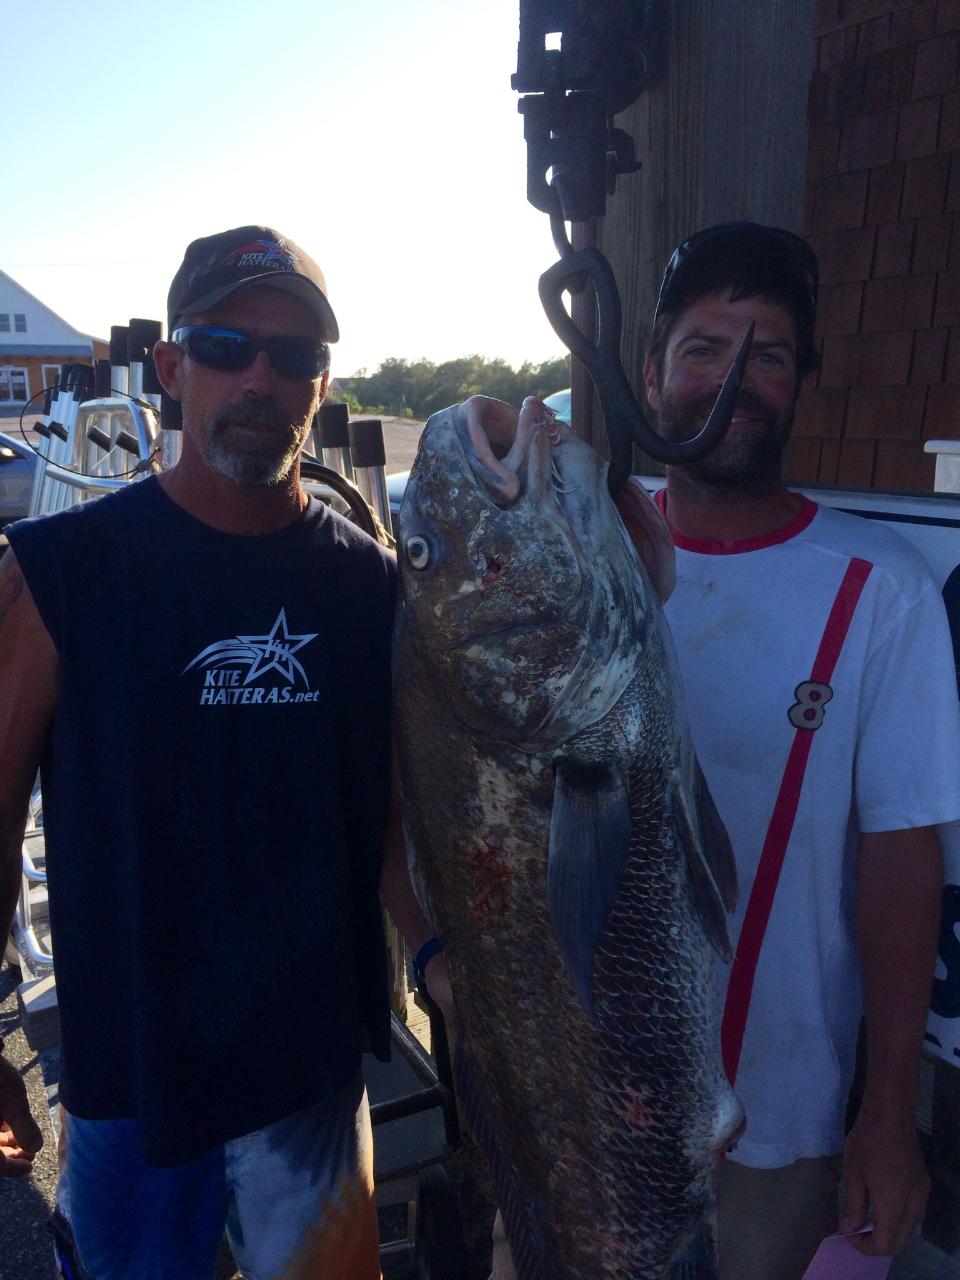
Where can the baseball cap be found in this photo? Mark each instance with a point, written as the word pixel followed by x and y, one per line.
pixel 216 266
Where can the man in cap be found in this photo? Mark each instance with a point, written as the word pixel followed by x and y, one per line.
pixel 199 663
pixel 822 696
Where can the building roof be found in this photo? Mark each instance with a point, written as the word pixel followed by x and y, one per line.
pixel 13 294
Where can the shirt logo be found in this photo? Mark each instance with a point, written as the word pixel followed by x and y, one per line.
pixel 223 663
pixel 811 698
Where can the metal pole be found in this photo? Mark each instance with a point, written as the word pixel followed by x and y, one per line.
pixel 52 413
pixel 331 429
pixel 119 364
pixel 369 463
pixel 101 386
pixel 171 432
pixel 141 337
pixel 51 494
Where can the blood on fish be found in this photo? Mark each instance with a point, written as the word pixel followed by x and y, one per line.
pixel 496 568
pixel 495 877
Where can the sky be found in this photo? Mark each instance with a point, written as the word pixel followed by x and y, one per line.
pixel 384 138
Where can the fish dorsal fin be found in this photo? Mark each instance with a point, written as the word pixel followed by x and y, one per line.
pixel 589 845
pixel 709 858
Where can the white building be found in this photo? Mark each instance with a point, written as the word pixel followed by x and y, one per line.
pixel 34 344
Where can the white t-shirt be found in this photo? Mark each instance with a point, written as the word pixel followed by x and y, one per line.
pixel 883 748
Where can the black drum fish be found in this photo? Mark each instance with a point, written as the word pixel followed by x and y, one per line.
pixel 565 844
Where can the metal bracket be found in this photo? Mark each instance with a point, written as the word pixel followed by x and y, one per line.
pixel 578 64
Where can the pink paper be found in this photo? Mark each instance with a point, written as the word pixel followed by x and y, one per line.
pixel 837 1259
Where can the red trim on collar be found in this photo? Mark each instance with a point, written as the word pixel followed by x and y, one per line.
pixel 736 546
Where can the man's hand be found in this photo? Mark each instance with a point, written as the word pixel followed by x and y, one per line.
pixel 885 1180
pixel 439 989
pixel 20 1139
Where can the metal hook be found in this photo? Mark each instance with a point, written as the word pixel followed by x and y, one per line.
pixel 625 421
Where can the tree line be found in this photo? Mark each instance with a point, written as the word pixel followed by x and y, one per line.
pixel 417 388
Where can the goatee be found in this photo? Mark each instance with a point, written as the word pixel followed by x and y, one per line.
pixel 266 452
pixel 748 458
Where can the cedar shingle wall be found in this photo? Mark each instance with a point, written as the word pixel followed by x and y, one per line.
pixel 883 213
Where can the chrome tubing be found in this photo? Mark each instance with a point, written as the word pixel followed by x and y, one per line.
pixel 141 336
pixel 369 465
pixel 119 361
pixel 57 407
pixel 100 432
pixel 49 493
pixel 86 484
pixel 171 447
pixel 22 931
pixel 114 429
pixel 331 438
pixel 30 946
pixel 29 867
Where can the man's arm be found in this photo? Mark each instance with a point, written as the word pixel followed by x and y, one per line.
pixel 899 885
pixel 28 693
pixel 398 897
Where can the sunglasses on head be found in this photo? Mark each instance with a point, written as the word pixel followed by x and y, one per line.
pixel 230 350
pixel 769 247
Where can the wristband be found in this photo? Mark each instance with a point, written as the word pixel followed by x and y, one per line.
pixel 431 948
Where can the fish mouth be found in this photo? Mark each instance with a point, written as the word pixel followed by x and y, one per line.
pixel 510 453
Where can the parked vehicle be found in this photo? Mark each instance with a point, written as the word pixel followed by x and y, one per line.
pixel 17 466
pixel 559 402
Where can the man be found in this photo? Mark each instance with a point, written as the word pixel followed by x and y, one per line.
pixel 821 692
pixel 200 665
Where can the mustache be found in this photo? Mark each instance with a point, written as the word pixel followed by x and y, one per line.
pixel 747 401
pixel 252 411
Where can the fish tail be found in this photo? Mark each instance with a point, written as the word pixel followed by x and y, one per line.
pixel 697 1259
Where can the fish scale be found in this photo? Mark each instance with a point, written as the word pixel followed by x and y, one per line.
pixel 558 826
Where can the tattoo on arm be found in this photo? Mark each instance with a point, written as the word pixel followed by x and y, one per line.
pixel 11 584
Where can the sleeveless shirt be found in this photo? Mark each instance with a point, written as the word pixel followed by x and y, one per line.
pixel 215 789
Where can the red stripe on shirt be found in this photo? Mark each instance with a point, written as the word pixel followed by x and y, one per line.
pixel 757 916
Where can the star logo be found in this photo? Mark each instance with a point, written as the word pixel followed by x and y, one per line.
pixel 271 652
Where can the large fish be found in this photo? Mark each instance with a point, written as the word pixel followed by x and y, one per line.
pixel 566 847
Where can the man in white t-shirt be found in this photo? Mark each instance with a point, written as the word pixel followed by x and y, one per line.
pixel 821 692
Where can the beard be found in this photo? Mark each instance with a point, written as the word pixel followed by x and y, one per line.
pixel 747 459
pixel 263 455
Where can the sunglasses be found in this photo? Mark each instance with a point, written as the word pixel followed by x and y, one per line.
pixel 771 247
pixel 230 350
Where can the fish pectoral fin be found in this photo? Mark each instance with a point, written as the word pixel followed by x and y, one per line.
pixel 589 845
pixel 709 860
pixel 716 844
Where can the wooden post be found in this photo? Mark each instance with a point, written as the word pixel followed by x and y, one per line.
pixel 722 136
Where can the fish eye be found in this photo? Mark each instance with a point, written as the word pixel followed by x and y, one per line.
pixel 418 551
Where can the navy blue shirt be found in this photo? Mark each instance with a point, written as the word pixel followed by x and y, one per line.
pixel 215 787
